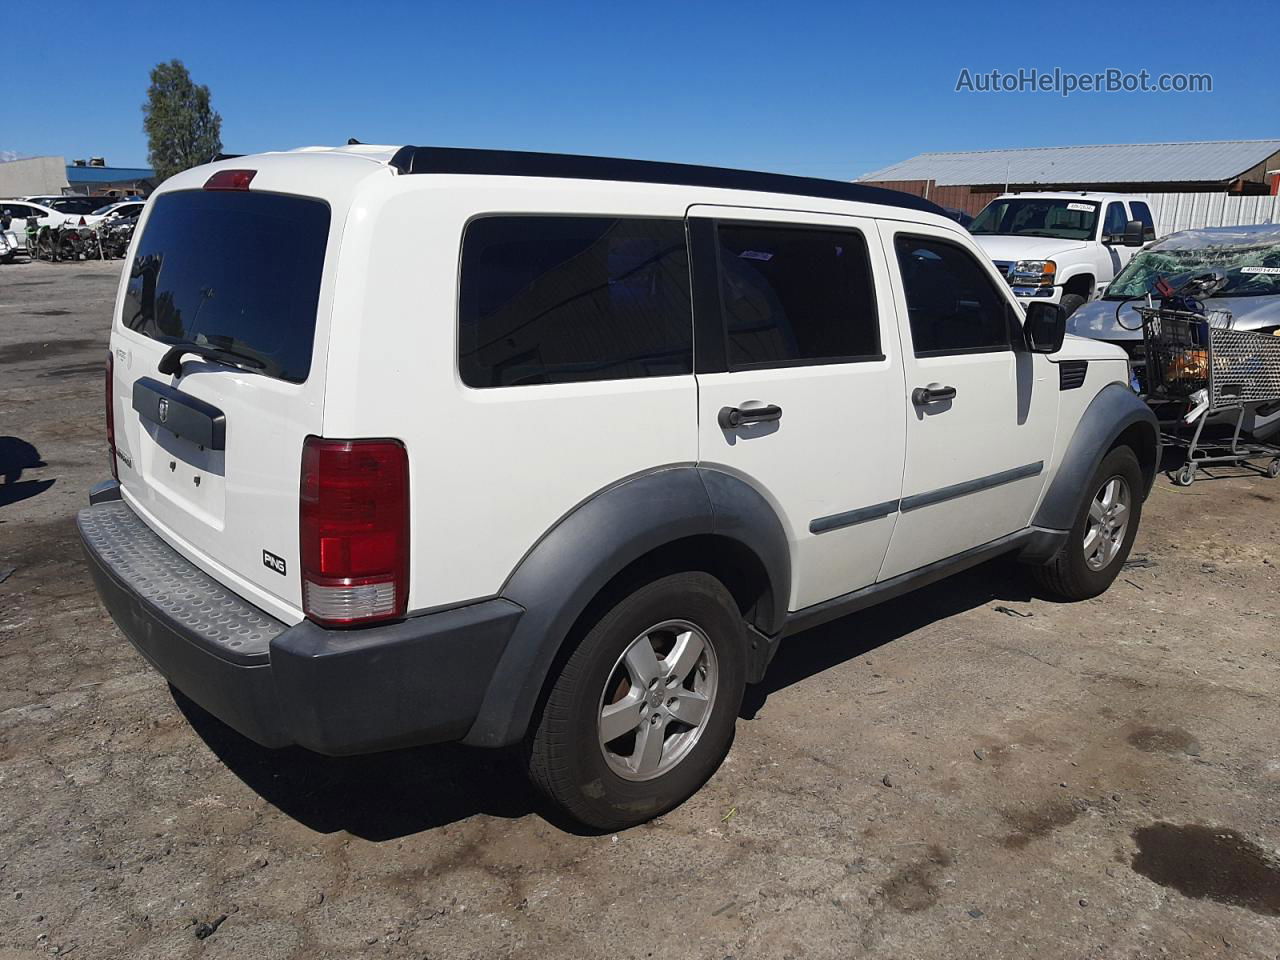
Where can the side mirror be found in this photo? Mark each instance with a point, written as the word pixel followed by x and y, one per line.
pixel 1133 234
pixel 1046 327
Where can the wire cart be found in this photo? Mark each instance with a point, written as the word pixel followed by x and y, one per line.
pixel 1200 367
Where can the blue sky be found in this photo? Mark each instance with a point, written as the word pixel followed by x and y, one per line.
pixel 815 88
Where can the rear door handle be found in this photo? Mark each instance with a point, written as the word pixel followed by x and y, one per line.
pixel 731 417
pixel 933 393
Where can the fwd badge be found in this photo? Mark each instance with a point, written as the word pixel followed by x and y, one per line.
pixel 269 559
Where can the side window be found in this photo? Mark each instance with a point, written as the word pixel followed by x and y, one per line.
pixel 952 304
pixel 1115 221
pixel 1142 213
pixel 567 299
pixel 796 295
pixel 17 211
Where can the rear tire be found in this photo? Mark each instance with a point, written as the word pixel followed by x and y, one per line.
pixel 610 748
pixel 1095 551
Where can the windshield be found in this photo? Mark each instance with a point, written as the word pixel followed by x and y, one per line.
pixel 234 270
pixel 1253 270
pixel 1037 217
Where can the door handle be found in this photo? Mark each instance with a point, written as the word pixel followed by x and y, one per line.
pixel 933 393
pixel 731 417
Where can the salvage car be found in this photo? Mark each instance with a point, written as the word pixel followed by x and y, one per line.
pixel 422 444
pixel 1249 256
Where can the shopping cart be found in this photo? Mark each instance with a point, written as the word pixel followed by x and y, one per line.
pixel 1199 369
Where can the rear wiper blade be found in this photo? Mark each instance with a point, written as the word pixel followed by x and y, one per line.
pixel 171 362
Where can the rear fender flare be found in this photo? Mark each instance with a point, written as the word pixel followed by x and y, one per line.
pixel 576 559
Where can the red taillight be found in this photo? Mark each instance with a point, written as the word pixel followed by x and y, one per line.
pixel 354 530
pixel 230 180
pixel 82 223
pixel 111 417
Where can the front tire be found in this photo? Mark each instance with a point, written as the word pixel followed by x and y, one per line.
pixel 643 712
pixel 1102 536
pixel 1071 302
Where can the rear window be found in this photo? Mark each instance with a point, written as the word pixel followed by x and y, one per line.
pixel 235 270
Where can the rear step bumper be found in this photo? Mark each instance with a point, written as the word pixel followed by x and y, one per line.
pixel 336 692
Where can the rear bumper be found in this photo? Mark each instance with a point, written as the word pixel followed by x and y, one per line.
pixel 336 692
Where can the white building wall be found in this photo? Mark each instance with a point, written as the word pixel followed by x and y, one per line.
pixel 1186 211
pixel 33 177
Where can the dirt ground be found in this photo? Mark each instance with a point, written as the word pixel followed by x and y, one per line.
pixel 966 772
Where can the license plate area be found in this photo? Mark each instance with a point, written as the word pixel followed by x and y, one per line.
pixel 189 475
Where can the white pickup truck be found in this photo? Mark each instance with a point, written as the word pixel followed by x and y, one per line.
pixel 1062 247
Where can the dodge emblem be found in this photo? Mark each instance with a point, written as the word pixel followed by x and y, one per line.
pixel 164 410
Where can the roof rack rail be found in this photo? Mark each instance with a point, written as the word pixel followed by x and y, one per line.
pixel 517 163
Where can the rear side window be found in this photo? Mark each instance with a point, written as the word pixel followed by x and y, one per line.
pixel 235 270
pixel 796 295
pixel 1142 213
pixel 572 299
pixel 953 305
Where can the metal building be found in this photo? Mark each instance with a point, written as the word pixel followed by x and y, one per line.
pixel 968 180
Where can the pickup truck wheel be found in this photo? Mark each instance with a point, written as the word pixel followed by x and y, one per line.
pixel 1100 539
pixel 1071 302
pixel 643 712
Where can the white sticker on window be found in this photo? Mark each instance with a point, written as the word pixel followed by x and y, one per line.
pixel 1082 207
pixel 755 255
pixel 1270 271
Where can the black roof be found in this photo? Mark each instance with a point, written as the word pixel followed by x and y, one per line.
pixel 517 163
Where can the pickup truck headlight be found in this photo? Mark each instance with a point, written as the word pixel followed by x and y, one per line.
pixel 1034 272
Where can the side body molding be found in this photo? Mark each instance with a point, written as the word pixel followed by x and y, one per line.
pixel 578 557
pixel 1114 410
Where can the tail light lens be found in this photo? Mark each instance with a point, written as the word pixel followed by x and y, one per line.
pixel 111 414
pixel 82 222
pixel 354 523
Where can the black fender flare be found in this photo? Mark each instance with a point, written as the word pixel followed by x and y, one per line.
pixel 588 547
pixel 1111 413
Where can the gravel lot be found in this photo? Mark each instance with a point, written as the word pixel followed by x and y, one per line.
pixel 966 772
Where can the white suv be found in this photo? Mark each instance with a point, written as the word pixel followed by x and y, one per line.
pixel 425 444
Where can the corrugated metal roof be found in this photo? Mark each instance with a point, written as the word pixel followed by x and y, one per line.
pixel 1211 160
pixel 108 174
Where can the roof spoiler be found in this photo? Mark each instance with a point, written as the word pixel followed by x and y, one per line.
pixel 516 163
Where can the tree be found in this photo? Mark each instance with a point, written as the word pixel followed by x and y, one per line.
pixel 183 129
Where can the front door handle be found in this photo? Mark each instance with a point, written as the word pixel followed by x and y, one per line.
pixel 731 417
pixel 933 393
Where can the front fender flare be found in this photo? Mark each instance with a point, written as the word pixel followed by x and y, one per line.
pixel 1114 410
pixel 588 547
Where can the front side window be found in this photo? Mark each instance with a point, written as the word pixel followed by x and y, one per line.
pixel 952 304
pixel 1116 220
pixel 794 295
pixel 547 299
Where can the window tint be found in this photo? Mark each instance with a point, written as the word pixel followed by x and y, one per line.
pixel 1116 220
pixel 16 210
pixel 796 295
pixel 1142 213
pixel 234 269
pixel 568 299
pixel 952 304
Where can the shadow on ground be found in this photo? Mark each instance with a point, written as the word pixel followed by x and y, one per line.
pixel 17 455
pixel 394 794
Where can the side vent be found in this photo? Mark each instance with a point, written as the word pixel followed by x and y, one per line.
pixel 1071 374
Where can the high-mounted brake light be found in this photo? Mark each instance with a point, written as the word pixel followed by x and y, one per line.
pixel 354 530
pixel 230 180
pixel 111 418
